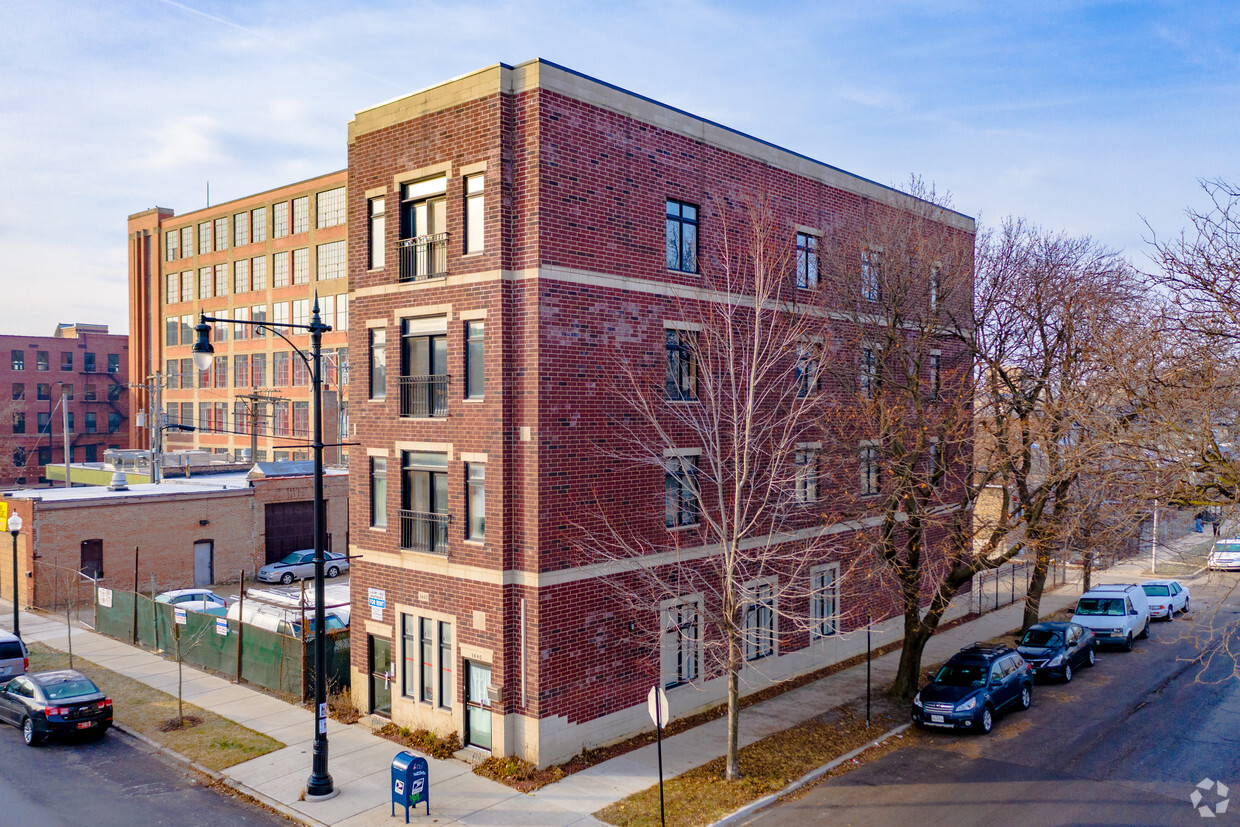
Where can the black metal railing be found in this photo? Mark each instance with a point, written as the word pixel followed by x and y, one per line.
pixel 424 396
pixel 424 257
pixel 424 531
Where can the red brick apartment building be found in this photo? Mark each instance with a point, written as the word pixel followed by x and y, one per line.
pixel 506 228
pixel 261 257
pixel 82 367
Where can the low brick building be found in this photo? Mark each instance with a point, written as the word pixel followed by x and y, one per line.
pixel 183 532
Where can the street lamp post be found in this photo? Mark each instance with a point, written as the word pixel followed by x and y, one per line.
pixel 15 526
pixel 319 785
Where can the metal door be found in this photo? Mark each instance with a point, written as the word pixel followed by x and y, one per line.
pixel 290 527
pixel 477 705
pixel 380 676
pixel 204 562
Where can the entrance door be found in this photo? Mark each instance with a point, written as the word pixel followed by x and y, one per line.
pixel 204 563
pixel 380 676
pixel 477 705
pixel 92 558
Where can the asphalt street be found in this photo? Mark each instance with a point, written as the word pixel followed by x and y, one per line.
pixel 112 782
pixel 1126 742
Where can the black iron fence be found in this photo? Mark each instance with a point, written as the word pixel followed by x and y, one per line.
pixel 424 257
pixel 424 396
pixel 424 531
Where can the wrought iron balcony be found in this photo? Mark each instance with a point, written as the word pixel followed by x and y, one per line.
pixel 424 396
pixel 424 257
pixel 424 531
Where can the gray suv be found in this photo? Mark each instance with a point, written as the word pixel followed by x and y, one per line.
pixel 14 659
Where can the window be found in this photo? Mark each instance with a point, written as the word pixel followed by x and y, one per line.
pixel 240 330
pixel 92 453
pixel 806 474
pixel 204 282
pixel 41 361
pixel 69 424
pixel 378 492
pixel 807 260
pixel 44 421
pixel 871 273
pixel 258 224
pixel 681 491
pixel 424 367
pixel 301 266
pixel 424 237
pixel 258 370
pixel 221 279
pixel 258 313
pixel 172 288
pixel 279 219
pixel 88 362
pixel 114 392
pixel 376 232
pixel 301 311
pixel 258 273
pixel 66 361
pixel 241 275
pixel 90 426
pixel 329 261
pixel 280 369
pixel 870 470
pixel 342 312
pixel 241 229
pixel 45 455
pixel 43 391
pixel 760 621
pixel 19 459
pixel 301 214
pixel 90 393
pixel 221 233
pixel 681 365
pixel 18 360
pixel 378 363
pixel 204 238
pixel 425 678
pixel 869 377
pixel 329 208
pixel 475 228
pixel 475 501
pixel 301 372
pixel 19 422
pixel 681 643
pixel 933 288
pixel 445 665
pixel 279 269
pixel 187 330
pixel 171 252
pixel 19 390
pixel 187 413
pixel 424 502
pixel 824 601
pixel 682 231
pixel 935 360
pixel 301 419
pixel 219 377
pixel 187 286
pixel 66 390
pixel 475 371
pixel 187 242
pixel 808 357
pixel 114 363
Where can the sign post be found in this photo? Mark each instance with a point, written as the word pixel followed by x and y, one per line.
pixel 656 702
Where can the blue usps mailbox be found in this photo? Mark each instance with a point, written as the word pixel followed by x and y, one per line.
pixel 410 783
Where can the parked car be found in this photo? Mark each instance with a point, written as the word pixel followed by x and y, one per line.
pixel 54 704
pixel 978 682
pixel 1118 613
pixel 1057 649
pixel 1166 597
pixel 300 565
pixel 1225 556
pixel 196 600
pixel 14 659
pixel 284 621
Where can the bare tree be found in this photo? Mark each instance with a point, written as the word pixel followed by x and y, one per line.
pixel 724 411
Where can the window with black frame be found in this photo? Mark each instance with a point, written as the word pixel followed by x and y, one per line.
pixel 424 514
pixel 681 365
pixel 682 236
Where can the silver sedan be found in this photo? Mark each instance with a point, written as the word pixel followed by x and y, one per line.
pixel 300 565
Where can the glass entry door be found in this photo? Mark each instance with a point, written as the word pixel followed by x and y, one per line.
pixel 477 705
pixel 380 676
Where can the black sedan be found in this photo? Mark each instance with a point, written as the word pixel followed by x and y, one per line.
pixel 48 704
pixel 1057 648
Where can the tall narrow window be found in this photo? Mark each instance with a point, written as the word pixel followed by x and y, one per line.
pixel 376 233
pixel 681 643
pixel 424 515
pixel 172 288
pixel 807 475
pixel 205 278
pixel 935 458
pixel 221 233
pixel 870 470
pixel 378 492
pixel 869 378
pixel 378 363
pixel 258 313
pixel 475 501
pixel 258 223
pixel 427 645
pixel 187 286
pixel 301 266
pixel 808 358
pixel 445 665
pixel 279 219
pixel 933 288
pixel 170 242
pixel 187 242
pixel 824 601
pixel 279 269
pixel 241 229
pixel 241 275
pixel 681 348
pixel 760 622
pixel 475 371
pixel 871 275
pixel 936 359
pixel 807 260
pixel 680 491
pixel 204 238
pixel 301 214
pixel 258 273
pixel 423 226
pixel 424 367
pixel 682 233
pixel 474 214
pixel 221 279
pixel 18 360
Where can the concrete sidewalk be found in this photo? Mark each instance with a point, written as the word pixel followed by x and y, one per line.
pixel 359 762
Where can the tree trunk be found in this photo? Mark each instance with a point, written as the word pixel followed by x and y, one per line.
pixel 1033 597
pixel 732 769
pixel 908 675
pixel 1087 568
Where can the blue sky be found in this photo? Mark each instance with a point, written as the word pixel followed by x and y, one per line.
pixel 1083 116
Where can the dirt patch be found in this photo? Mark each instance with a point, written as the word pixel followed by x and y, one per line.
pixel 185 722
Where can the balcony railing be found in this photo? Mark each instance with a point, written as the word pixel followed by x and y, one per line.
pixel 424 257
pixel 424 531
pixel 424 396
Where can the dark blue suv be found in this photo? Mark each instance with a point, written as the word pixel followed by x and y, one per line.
pixel 970 689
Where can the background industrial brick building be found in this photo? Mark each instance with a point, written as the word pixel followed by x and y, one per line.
pixel 82 367
pixel 506 229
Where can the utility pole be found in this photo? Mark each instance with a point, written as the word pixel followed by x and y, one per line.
pixel 64 419
pixel 254 400
pixel 156 401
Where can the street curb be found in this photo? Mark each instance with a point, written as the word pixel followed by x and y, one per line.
pixel 749 809
pixel 215 775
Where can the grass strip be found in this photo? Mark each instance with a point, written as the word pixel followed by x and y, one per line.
pixel 215 743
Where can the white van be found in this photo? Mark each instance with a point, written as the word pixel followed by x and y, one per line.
pixel 280 620
pixel 1118 613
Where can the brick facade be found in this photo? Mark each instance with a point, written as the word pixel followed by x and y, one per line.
pixel 576 178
